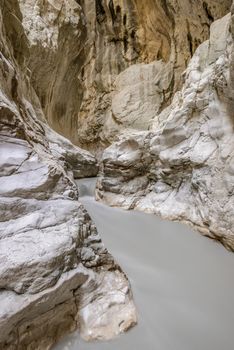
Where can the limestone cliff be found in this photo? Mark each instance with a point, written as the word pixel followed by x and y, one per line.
pixel 97 72
pixel 182 169
pixel 77 50
pixel 53 264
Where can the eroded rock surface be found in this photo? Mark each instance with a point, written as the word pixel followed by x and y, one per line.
pixel 78 50
pixel 182 169
pixel 92 70
pixel 55 274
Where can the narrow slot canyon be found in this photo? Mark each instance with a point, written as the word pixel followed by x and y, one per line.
pixel 116 174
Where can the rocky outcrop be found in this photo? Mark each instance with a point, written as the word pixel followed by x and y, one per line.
pixel 55 274
pixel 79 49
pixel 92 70
pixel 182 169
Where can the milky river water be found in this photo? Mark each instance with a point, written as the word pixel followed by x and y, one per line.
pixel 182 282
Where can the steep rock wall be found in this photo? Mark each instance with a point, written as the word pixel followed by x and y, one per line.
pixel 53 264
pixel 183 168
pixel 83 66
pixel 79 48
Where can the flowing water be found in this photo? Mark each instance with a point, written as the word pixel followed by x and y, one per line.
pixel 182 282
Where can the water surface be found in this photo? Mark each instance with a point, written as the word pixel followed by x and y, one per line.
pixel 182 282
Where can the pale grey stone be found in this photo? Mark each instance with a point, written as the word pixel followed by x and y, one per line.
pixel 186 159
pixel 52 260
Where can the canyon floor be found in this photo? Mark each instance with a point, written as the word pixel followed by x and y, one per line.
pixel 181 281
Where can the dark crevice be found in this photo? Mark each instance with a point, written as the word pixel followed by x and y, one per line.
pixel 112 10
pixel 125 41
pixel 208 12
pixel 190 40
pixel 14 87
pixel 118 9
pixel 133 34
pixel 100 11
pixel 115 40
pixel 167 8
pixel 124 19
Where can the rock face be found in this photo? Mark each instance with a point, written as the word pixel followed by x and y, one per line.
pixel 182 169
pixel 79 49
pixel 92 70
pixel 55 273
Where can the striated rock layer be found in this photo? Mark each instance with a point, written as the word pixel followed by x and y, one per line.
pixel 182 169
pixel 55 274
pixel 93 70
pixel 79 51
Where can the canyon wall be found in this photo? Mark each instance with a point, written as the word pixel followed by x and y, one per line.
pixel 78 50
pixel 182 168
pixel 102 72
pixel 55 274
